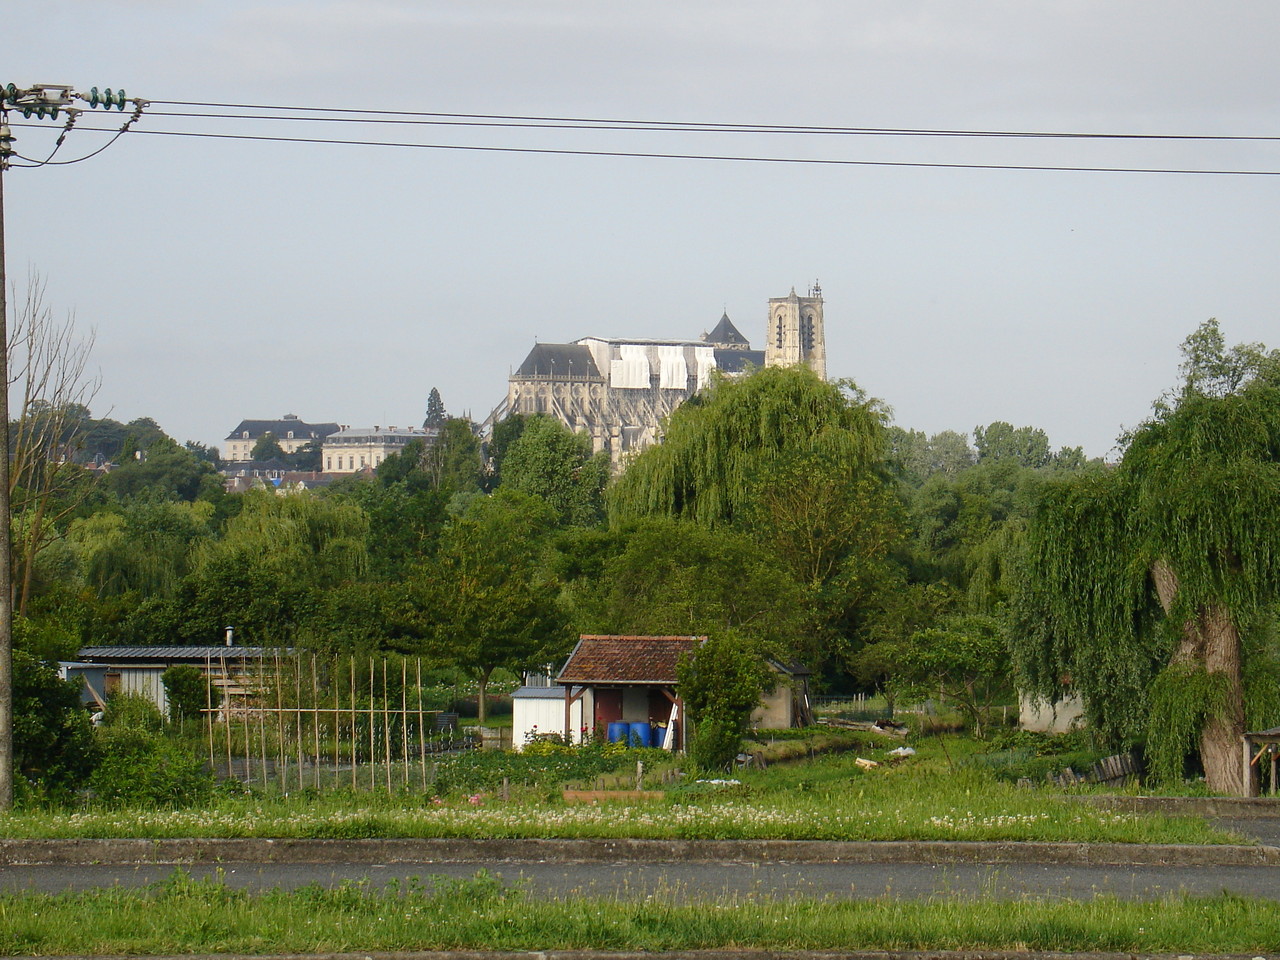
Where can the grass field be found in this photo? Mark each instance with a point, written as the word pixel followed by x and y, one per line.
pixel 185 916
pixel 830 798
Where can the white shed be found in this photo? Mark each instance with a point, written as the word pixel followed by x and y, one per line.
pixel 540 709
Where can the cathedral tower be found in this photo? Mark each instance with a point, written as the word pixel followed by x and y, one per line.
pixel 795 332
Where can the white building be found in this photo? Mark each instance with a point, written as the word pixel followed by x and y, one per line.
pixel 353 449
pixel 291 433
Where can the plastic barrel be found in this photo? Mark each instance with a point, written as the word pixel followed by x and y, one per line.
pixel 618 732
pixel 641 735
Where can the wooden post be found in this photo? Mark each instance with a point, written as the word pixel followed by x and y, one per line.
pixel 639 775
pixel 422 731
pixel 1247 778
pixel 404 718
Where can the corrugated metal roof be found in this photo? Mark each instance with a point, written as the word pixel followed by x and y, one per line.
pixel 192 654
pixel 638 660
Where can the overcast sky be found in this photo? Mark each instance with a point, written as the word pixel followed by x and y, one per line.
pixel 232 279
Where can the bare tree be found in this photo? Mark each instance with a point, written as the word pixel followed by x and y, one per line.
pixel 48 370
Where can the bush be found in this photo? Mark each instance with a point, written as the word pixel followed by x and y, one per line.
pixel 721 683
pixel 134 711
pixel 52 739
pixel 139 765
pixel 188 692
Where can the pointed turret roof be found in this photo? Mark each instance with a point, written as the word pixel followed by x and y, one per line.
pixel 726 334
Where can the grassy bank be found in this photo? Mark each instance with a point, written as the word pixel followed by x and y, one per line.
pixel 185 916
pixel 831 799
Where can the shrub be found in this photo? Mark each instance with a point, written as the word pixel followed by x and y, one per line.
pixel 721 684
pixel 52 739
pixel 139 765
pixel 188 692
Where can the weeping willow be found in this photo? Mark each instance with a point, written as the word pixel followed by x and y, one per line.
pixel 718 445
pixel 1149 587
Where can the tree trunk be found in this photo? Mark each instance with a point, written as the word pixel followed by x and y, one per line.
pixel 482 684
pixel 1211 640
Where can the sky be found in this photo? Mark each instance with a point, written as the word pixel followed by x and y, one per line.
pixel 228 279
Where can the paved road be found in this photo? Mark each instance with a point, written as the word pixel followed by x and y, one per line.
pixel 705 880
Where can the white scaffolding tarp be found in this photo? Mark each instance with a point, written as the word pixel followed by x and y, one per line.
pixel 673 372
pixel 631 370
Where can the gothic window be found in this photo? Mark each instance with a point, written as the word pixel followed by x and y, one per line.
pixel 779 332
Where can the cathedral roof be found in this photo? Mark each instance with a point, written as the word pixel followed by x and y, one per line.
pixel 737 361
pixel 726 334
pixel 558 360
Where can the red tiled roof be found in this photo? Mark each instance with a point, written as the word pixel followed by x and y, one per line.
pixel 600 659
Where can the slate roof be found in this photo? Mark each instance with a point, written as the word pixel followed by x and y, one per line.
pixel 638 660
pixel 280 429
pixel 725 334
pixel 559 360
pixel 736 361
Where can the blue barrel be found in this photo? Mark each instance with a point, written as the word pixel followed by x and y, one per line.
pixel 641 735
pixel 618 732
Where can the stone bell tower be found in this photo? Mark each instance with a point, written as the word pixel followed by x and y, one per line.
pixel 795 333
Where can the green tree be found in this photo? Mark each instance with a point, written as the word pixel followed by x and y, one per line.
pixel 1150 585
pixel 267 447
pixel 452 460
pixel 721 684
pixel 550 461
pixel 167 472
pixel 671 577
pixel 188 692
pixel 435 411
pixel 1028 446
pixel 963 661
pixel 486 599
pixel 716 446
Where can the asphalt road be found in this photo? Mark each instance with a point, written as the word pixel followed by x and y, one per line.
pixel 629 880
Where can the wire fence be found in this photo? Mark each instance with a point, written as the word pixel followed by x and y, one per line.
pixel 296 723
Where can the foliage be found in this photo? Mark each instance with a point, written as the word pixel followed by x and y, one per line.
pixel 267 447
pixel 452 461
pixel 1183 696
pixel 664 576
pixel 486 600
pixel 132 711
pixel 721 684
pixel 188 692
pixel 52 740
pixel 963 661
pixel 167 472
pixel 1169 556
pixel 550 461
pixel 717 446
pixel 141 768
pixel 436 415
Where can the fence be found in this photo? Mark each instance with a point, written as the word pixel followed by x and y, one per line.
pixel 296 723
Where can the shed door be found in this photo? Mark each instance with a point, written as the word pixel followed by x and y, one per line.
pixel 608 707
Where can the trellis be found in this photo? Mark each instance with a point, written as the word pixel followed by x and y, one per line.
pixel 296 722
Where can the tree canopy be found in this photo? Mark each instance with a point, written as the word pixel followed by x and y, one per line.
pixel 1149 584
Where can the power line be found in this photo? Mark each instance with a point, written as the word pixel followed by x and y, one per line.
pixel 629 154
pixel 341 114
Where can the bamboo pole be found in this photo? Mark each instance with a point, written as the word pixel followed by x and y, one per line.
pixel 262 719
pixel 404 718
pixel 227 708
pixel 315 718
pixel 422 733
pixel 208 709
pixel 297 706
pixel 373 747
pixel 353 724
pixel 282 774
pixel 386 724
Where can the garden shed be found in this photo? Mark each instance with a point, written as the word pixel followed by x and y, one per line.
pixel 139 669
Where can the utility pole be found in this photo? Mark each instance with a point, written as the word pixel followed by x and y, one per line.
pixel 41 100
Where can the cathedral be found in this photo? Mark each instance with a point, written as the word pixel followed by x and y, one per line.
pixel 619 392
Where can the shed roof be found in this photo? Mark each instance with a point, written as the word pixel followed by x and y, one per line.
pixel 638 660
pixel 176 654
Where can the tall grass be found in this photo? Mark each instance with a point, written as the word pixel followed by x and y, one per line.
pixel 185 916
pixel 832 800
